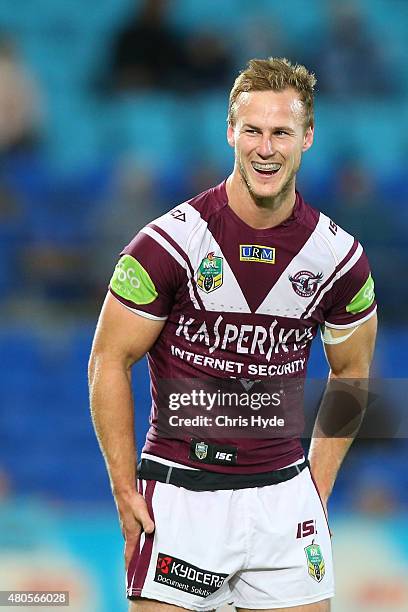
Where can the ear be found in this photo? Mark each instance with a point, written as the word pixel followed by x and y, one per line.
pixel 230 135
pixel 308 138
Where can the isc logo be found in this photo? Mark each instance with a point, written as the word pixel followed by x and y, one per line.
pixel 223 456
pixel 307 528
pixel 333 227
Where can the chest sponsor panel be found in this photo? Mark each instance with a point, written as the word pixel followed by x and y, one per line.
pixel 232 346
pixel 266 336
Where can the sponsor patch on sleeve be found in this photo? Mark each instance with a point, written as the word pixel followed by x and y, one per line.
pixel 132 282
pixel 363 299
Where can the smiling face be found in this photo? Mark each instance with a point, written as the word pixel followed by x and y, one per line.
pixel 269 137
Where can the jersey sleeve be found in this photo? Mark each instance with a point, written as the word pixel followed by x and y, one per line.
pixel 146 278
pixel 352 298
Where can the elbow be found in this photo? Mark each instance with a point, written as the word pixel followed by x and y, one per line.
pixel 97 359
pixel 92 367
pixel 105 362
pixel 360 372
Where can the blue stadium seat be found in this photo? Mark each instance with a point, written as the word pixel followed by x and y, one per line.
pixel 392 38
pixel 366 129
pixel 376 133
pixel 300 24
pixel 211 120
pixel 147 127
pixel 331 120
pixel 45 15
pixel 72 130
pixel 189 16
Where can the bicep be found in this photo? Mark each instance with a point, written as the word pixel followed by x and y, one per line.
pixel 122 335
pixel 353 356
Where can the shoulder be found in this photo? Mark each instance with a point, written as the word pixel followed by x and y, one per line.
pixel 175 229
pixel 346 294
pixel 332 239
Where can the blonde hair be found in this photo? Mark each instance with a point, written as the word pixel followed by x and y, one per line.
pixel 275 74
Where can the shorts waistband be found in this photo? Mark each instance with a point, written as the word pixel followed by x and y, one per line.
pixel 202 480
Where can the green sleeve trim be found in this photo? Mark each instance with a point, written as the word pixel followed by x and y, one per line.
pixel 364 298
pixel 132 282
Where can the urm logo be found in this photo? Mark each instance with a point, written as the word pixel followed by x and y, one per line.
pixel 257 252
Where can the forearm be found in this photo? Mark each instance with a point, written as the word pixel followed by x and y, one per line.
pixel 112 413
pixel 326 456
pixel 338 421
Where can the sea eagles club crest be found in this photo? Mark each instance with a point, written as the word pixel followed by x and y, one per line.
pixel 210 273
pixel 305 283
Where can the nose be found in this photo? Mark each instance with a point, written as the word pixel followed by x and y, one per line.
pixel 265 148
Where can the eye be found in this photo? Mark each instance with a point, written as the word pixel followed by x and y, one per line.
pixel 281 132
pixel 249 131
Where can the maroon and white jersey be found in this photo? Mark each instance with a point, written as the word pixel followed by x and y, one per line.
pixel 240 303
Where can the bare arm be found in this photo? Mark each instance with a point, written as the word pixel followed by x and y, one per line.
pixel 349 371
pixel 122 338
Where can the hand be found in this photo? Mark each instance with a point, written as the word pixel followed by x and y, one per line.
pixel 134 518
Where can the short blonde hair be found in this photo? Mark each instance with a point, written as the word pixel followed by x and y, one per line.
pixel 276 74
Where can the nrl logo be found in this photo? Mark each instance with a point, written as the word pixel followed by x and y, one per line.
pixel 315 562
pixel 210 273
pixel 201 450
pixel 305 283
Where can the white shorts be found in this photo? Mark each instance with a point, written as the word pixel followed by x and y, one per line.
pixel 266 547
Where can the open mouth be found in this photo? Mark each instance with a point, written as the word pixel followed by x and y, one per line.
pixel 266 169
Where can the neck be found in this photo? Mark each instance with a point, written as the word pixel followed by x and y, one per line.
pixel 259 213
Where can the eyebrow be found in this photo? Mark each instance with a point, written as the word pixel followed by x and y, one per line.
pixel 277 128
pixel 252 127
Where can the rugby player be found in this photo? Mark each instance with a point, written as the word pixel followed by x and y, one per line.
pixel 233 284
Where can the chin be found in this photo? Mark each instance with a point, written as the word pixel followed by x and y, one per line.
pixel 257 188
pixel 265 191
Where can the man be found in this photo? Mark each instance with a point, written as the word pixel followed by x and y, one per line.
pixel 233 285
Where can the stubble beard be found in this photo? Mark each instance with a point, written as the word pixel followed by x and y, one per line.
pixel 273 202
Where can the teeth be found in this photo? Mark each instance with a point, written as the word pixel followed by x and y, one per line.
pixel 266 167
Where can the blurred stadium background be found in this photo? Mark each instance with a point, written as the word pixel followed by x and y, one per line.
pixel 112 111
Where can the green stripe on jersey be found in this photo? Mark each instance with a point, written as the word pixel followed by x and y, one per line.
pixel 131 281
pixel 363 299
